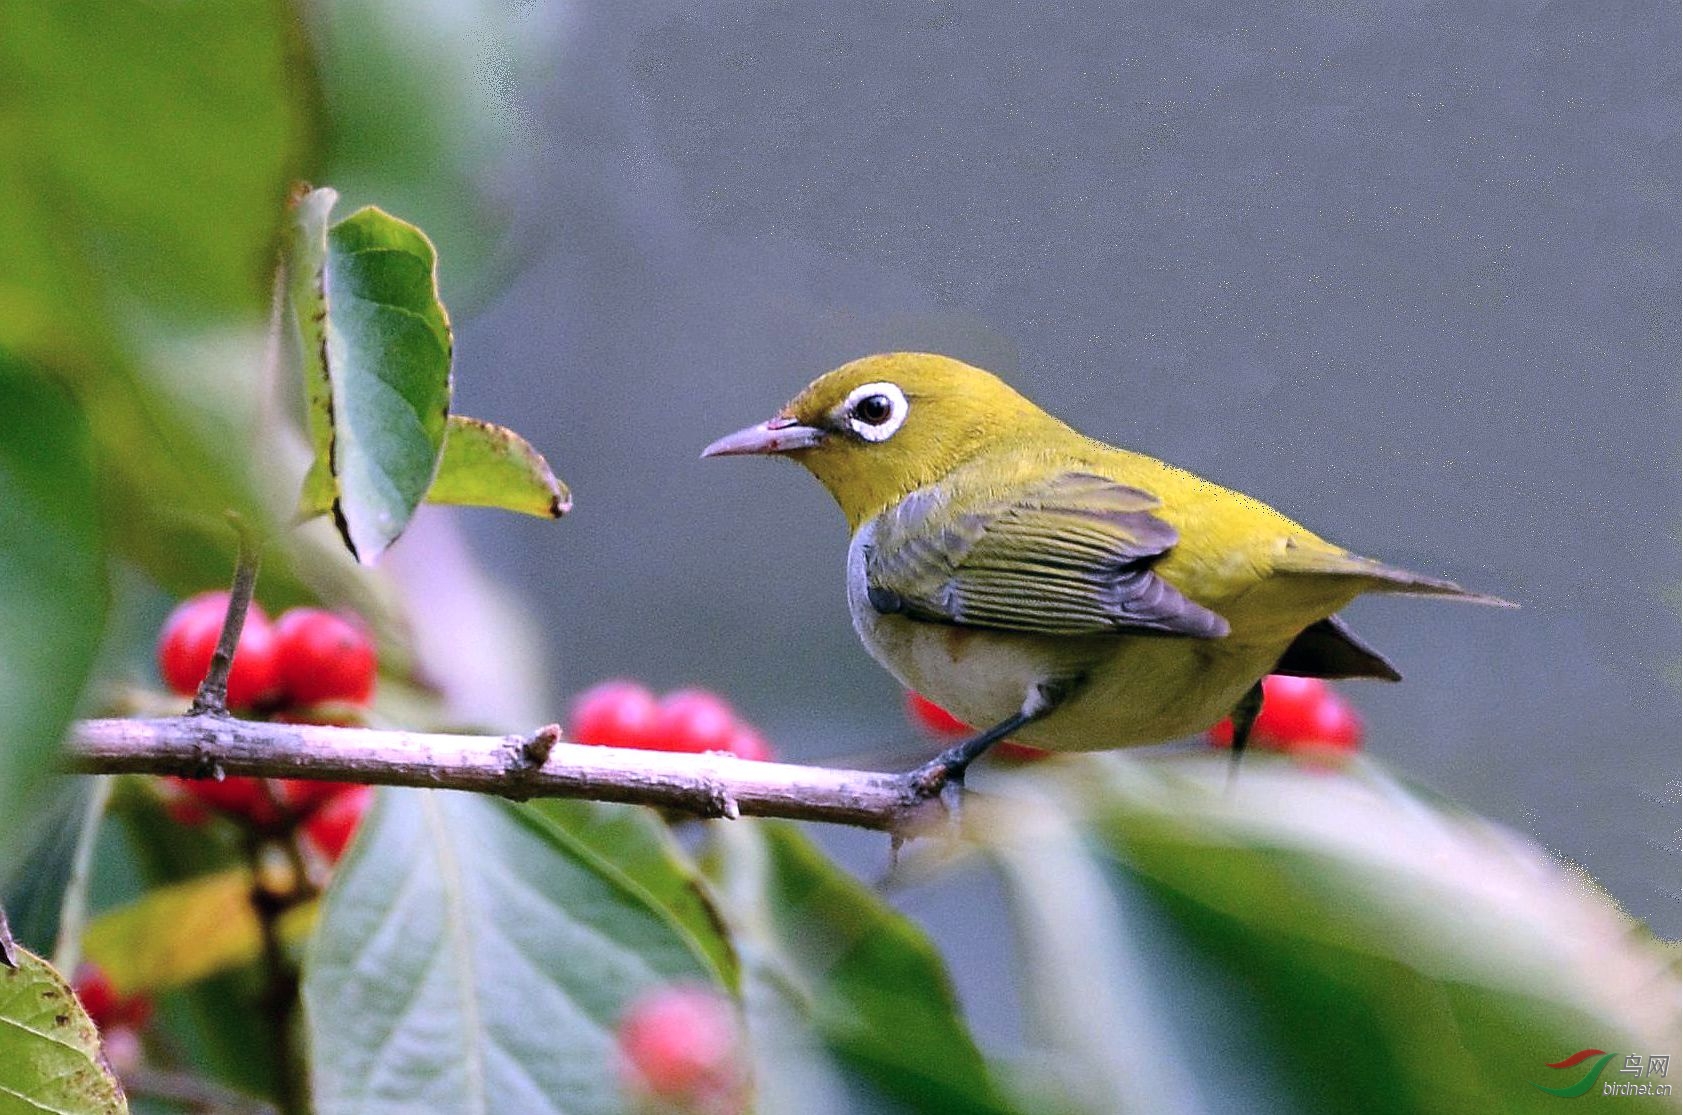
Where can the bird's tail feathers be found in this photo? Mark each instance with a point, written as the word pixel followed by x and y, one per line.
pixel 1379 576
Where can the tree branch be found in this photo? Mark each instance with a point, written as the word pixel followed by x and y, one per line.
pixel 518 767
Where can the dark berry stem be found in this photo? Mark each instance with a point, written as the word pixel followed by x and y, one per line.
pixel 212 698
pixel 280 975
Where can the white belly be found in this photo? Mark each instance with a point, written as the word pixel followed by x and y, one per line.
pixel 1133 689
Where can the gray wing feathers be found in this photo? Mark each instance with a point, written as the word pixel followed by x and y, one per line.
pixel 1072 557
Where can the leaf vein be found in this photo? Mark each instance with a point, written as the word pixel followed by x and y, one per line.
pixel 450 876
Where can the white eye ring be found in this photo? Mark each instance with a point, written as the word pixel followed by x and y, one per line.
pixel 888 427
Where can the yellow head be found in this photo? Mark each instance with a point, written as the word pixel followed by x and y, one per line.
pixel 880 428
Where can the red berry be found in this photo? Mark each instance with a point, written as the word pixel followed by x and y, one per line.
pixel 98 997
pixel 1292 712
pixel 104 1005
pixel 332 826
pixel 1289 707
pixel 189 639
pixel 186 811
pixel 248 799
pixel 614 714
pixel 682 1045
pixel 932 718
pixel 303 796
pixel 324 657
pixel 746 743
pixel 1334 726
pixel 693 720
pixel 241 798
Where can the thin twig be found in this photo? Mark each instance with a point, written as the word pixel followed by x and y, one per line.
pixel 212 698
pixel 706 785
pixel 8 943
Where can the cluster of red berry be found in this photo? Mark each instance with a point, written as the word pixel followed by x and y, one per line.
pixel 309 666
pixel 327 812
pixel 1300 716
pixel 308 657
pixel 625 714
pixel 681 1050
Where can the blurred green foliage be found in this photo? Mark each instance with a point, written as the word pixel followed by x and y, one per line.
pixel 52 583
pixel 1391 954
pixel 843 996
pixel 149 148
pixel 422 117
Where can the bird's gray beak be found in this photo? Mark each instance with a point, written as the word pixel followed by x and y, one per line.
pixel 779 435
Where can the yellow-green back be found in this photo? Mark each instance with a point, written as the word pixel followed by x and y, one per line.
pixel 962 415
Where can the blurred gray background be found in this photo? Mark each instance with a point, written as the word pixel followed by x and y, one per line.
pixel 1409 272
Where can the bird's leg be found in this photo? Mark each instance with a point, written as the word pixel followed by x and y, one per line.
pixel 949 766
pixel 1244 719
pixel 944 774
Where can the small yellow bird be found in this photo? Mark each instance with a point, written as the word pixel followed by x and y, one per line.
pixel 1073 595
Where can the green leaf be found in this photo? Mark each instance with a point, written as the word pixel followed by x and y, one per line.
pixel 375 344
pixel 1373 950
pixel 793 1070
pixel 141 185
pixel 182 933
pixel 486 465
pixel 637 844
pixel 474 957
pixel 142 199
pixel 842 992
pixel 52 584
pixel 49 1050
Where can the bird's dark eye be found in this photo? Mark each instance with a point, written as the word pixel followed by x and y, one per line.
pixel 874 410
